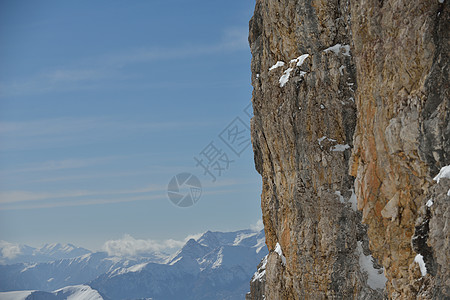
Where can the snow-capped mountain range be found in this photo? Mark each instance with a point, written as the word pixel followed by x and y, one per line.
pixel 77 292
pixel 13 253
pixel 217 265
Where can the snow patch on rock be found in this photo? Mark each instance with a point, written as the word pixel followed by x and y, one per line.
pixel 279 251
pixel 375 277
pixel 423 269
pixel 276 65
pixel 300 60
pixel 352 200
pixel 443 173
pixel 338 49
pixel 285 77
pixel 258 276
pixel 339 148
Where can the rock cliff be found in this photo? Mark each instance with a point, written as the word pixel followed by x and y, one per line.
pixel 351 124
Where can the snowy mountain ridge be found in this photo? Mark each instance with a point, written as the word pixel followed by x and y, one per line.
pixel 216 265
pixel 77 292
pixel 11 253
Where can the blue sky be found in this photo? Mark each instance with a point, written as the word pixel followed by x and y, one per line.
pixel 103 102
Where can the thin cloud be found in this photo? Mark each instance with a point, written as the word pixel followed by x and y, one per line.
pixel 28 199
pixel 155 169
pixel 129 246
pixel 236 38
pixel 59 132
pixel 18 200
pixel 83 202
pixel 194 236
pixel 59 76
pixel 51 126
pixel 93 176
pixel 233 39
pixel 55 165
pixel 55 126
pixel 25 196
pixel 258 226
pixel 9 250
pixel 109 66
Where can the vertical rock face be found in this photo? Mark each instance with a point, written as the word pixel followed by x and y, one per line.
pixel 402 134
pixel 351 111
pixel 305 115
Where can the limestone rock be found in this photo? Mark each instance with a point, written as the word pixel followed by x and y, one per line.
pixel 402 134
pixel 351 109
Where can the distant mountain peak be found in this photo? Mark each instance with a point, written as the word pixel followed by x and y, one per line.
pixel 14 253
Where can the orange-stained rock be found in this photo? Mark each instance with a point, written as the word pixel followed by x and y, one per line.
pixel 367 112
